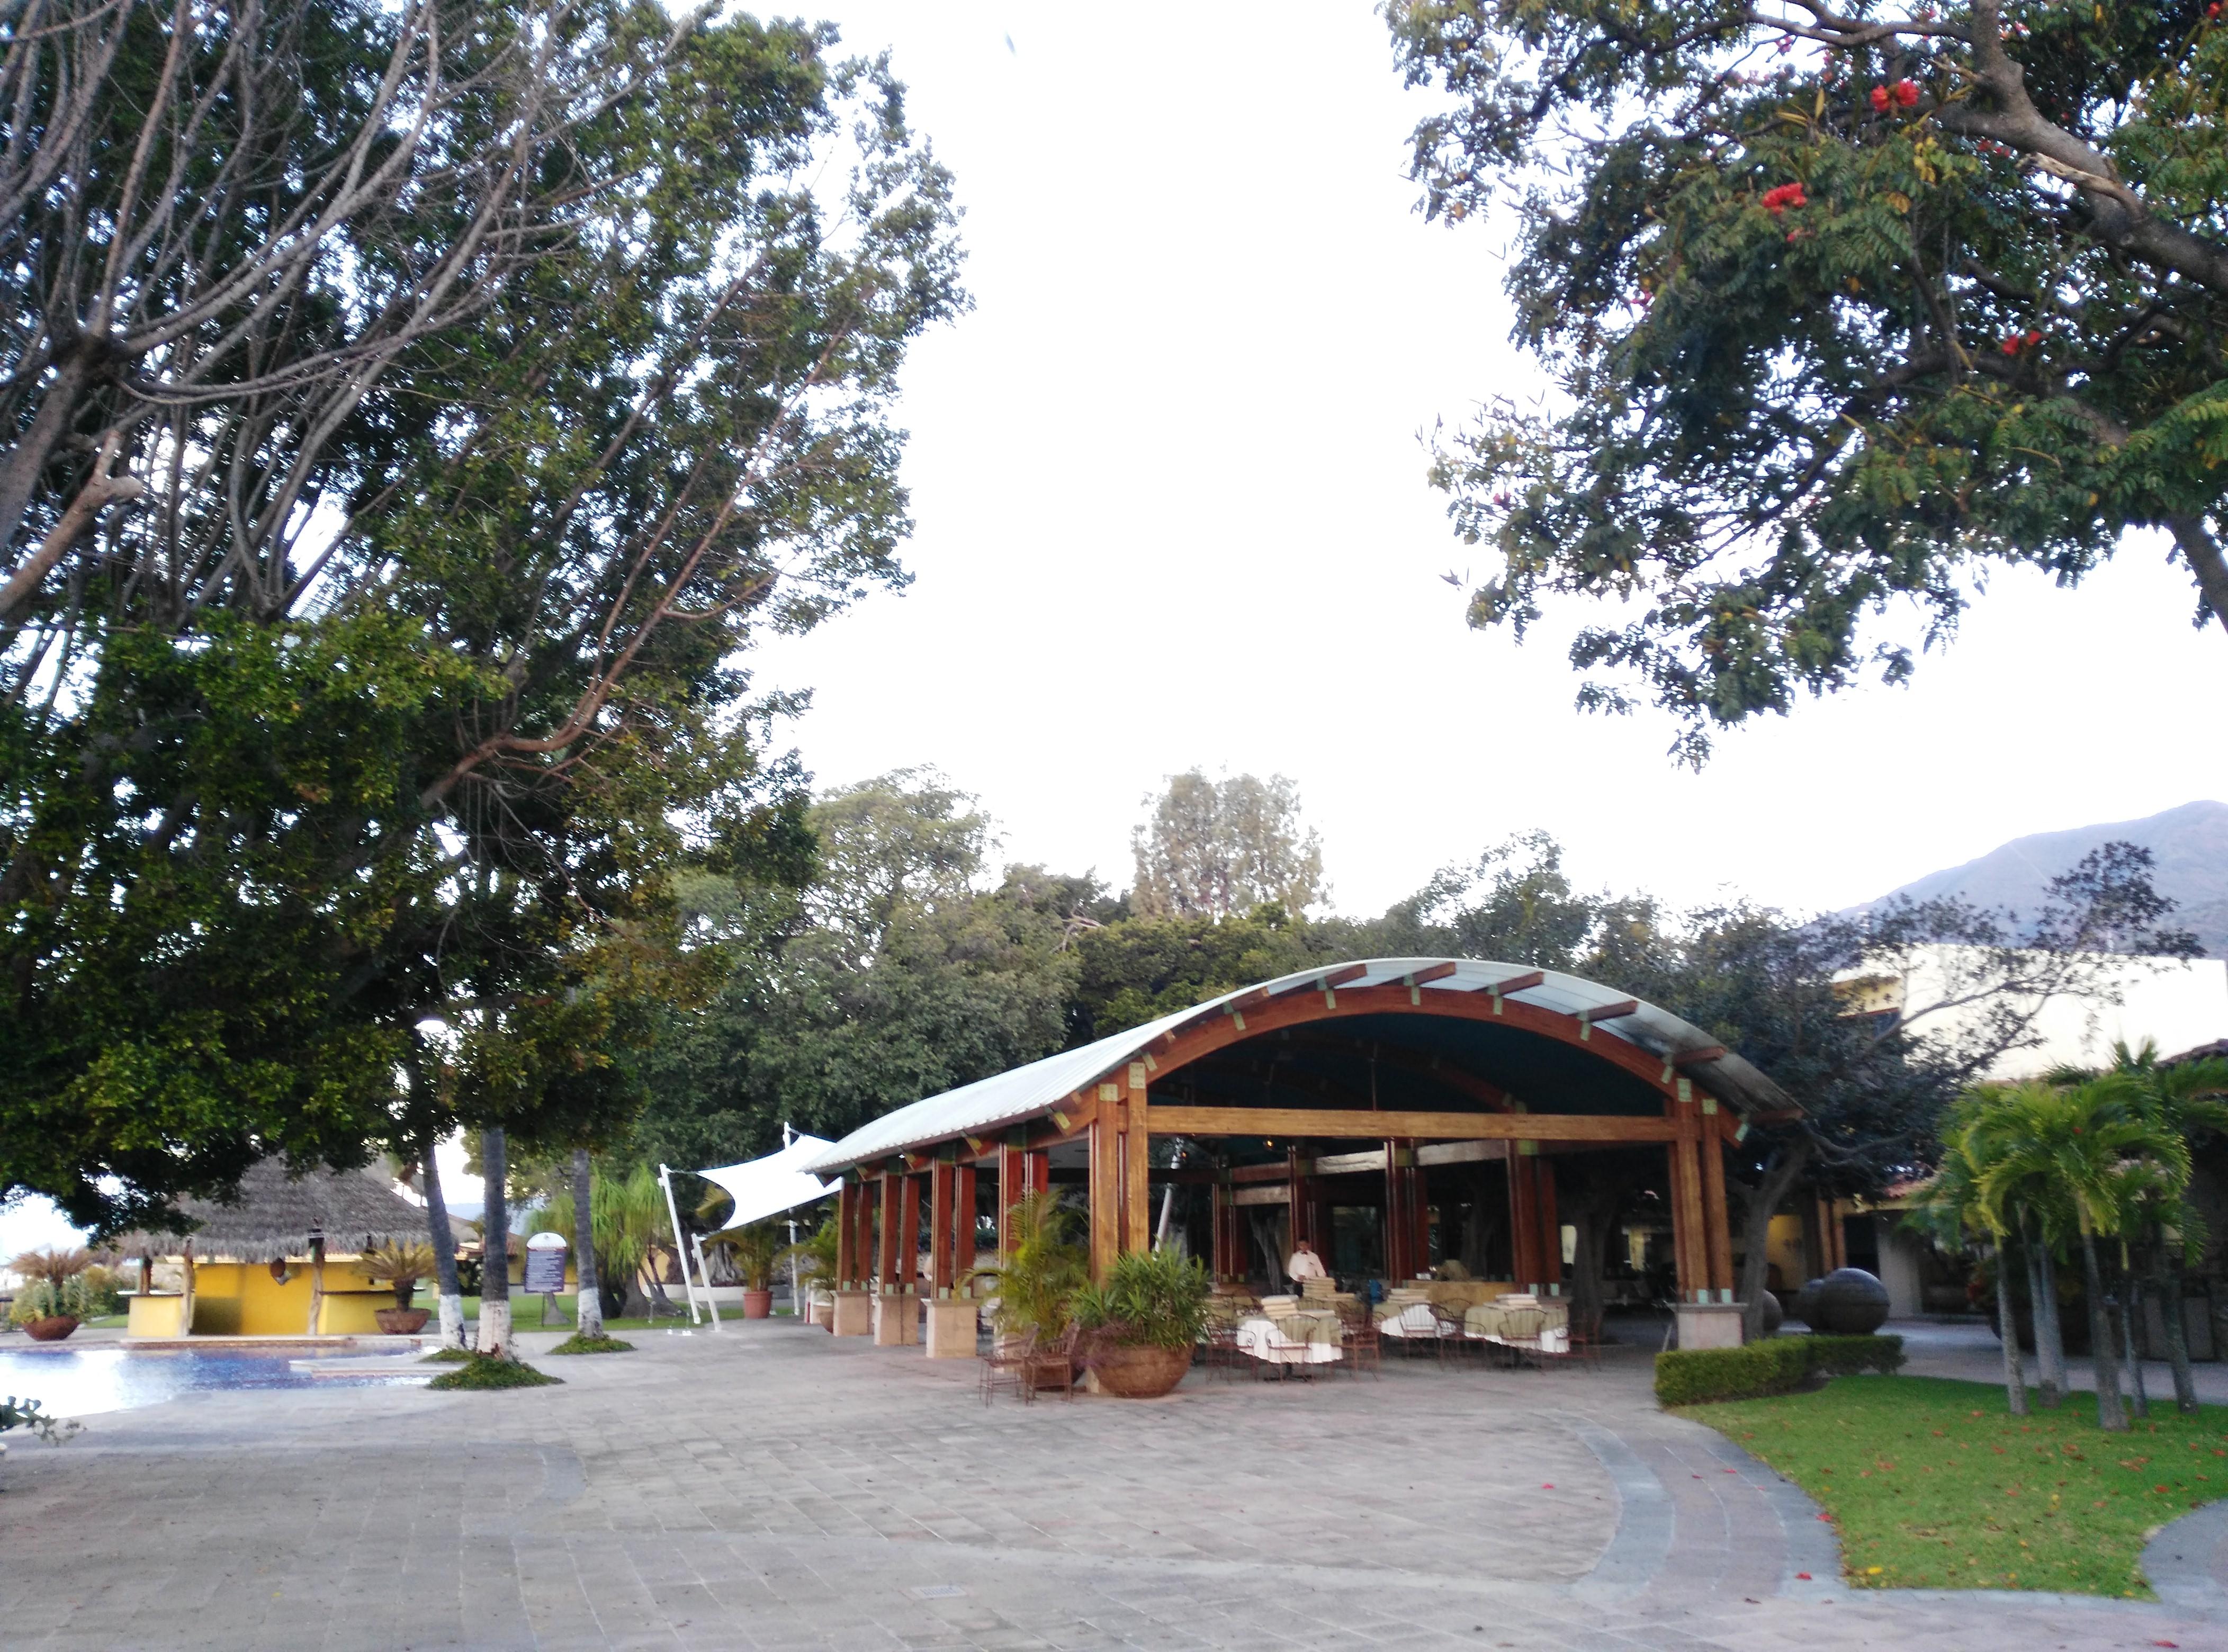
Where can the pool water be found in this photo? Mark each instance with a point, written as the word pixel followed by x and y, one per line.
pixel 78 1382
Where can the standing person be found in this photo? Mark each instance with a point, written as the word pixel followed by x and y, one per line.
pixel 1304 1264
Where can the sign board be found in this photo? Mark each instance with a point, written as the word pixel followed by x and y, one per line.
pixel 544 1264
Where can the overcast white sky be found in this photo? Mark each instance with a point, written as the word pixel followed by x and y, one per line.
pixel 1171 511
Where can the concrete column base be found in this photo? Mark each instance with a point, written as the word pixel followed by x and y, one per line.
pixel 1710 1324
pixel 952 1328
pixel 852 1314
pixel 897 1321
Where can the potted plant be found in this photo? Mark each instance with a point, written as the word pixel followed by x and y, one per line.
pixel 1140 1326
pixel 53 1303
pixel 1038 1279
pixel 401 1267
pixel 755 1250
pixel 814 1260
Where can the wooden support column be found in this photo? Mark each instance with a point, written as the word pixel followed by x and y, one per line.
pixel 1717 1229
pixel 847 1231
pixel 963 1220
pixel 1013 1182
pixel 886 1261
pixel 1296 1181
pixel 1551 1224
pixel 863 1251
pixel 908 1233
pixel 1396 1231
pixel 1137 1167
pixel 1228 1261
pixel 1523 1217
pixel 1686 1220
pixel 1419 1211
pixel 1105 1184
pixel 942 1190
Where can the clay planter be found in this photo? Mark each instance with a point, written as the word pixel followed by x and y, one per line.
pixel 758 1304
pixel 402 1322
pixel 52 1328
pixel 1140 1372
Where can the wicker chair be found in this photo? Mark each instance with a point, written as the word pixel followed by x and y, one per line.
pixel 1011 1366
pixel 1055 1364
pixel 1453 1339
pixel 1522 1326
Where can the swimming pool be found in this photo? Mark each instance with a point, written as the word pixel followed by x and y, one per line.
pixel 80 1382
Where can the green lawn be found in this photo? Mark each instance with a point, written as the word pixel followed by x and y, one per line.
pixel 1934 1484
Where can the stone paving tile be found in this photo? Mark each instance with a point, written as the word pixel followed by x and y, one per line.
pixel 773 1488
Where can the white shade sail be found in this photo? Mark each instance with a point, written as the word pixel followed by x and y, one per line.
pixel 766 1187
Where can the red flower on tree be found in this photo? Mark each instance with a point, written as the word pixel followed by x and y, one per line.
pixel 1779 199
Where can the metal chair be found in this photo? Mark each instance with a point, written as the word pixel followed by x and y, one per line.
pixel 1055 1367
pixel 1011 1366
pixel 1358 1336
pixel 1454 1338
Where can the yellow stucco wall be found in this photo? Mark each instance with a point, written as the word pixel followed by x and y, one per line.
pixel 1782 1248
pixel 242 1299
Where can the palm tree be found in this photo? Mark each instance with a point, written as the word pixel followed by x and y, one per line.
pixel 2185 1098
pixel 626 1227
pixel 1952 1208
pixel 495 1248
pixel 588 1317
pixel 2085 1143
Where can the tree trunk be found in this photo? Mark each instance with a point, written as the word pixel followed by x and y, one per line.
pixel 589 1313
pixel 2056 1331
pixel 2131 1303
pixel 1758 1205
pixel 2177 1335
pixel 2051 1389
pixel 2014 1374
pixel 452 1290
pixel 186 1290
pixel 2109 1417
pixel 316 1283
pixel 494 1251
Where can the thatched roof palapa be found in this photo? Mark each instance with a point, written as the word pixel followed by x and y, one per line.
pixel 280 1215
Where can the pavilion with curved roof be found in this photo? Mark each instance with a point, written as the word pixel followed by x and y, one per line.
pixel 1363 1076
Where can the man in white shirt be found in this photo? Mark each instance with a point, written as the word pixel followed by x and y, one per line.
pixel 1304 1264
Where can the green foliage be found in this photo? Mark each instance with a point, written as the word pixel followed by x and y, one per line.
pixel 1140 969
pixel 30 1414
pixel 493 1371
pixel 1850 1356
pixel 1693 1376
pixel 1930 1484
pixel 756 1250
pixel 1839 310
pixel 275 825
pixel 1776 1365
pixel 581 1343
pixel 449 1356
pixel 1219 848
pixel 1038 1279
pixel 400 1265
pixel 1150 1299
pixel 627 1215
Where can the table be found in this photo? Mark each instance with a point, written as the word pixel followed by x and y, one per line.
pixel 1415 1321
pixel 1488 1322
pixel 1265 1340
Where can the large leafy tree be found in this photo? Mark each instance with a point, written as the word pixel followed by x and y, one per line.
pixel 325 742
pixel 1840 305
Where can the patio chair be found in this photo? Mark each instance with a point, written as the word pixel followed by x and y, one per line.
pixel 1011 1366
pixel 1358 1337
pixel 1586 1339
pixel 1453 1339
pixel 1521 1327
pixel 1055 1364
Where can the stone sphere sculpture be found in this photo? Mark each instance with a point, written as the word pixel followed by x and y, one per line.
pixel 1850 1302
pixel 1773 1313
pixel 1804 1303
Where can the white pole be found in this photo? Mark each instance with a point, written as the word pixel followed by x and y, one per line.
pixel 711 1302
pixel 679 1244
pixel 796 1297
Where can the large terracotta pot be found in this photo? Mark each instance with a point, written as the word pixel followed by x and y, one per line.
pixel 1141 1372
pixel 402 1322
pixel 52 1328
pixel 758 1304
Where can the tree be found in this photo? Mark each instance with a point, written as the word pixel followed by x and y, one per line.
pixel 588 1316
pixel 1218 848
pixel 887 976
pixel 428 744
pixel 1519 906
pixel 1840 305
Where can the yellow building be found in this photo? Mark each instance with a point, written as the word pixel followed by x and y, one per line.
pixel 285 1261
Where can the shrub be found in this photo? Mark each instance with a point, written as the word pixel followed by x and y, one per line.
pixel 79 1296
pixel 1775 1366
pixel 1848 1357
pixel 493 1371
pixel 1150 1299
pixel 577 1343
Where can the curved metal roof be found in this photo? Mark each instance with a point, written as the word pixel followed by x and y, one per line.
pixel 1026 1092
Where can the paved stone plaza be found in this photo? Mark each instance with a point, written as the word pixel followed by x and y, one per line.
pixel 773 1487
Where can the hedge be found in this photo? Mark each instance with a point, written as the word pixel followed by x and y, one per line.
pixel 1775 1366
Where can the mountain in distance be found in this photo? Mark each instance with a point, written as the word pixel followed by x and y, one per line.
pixel 2190 845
